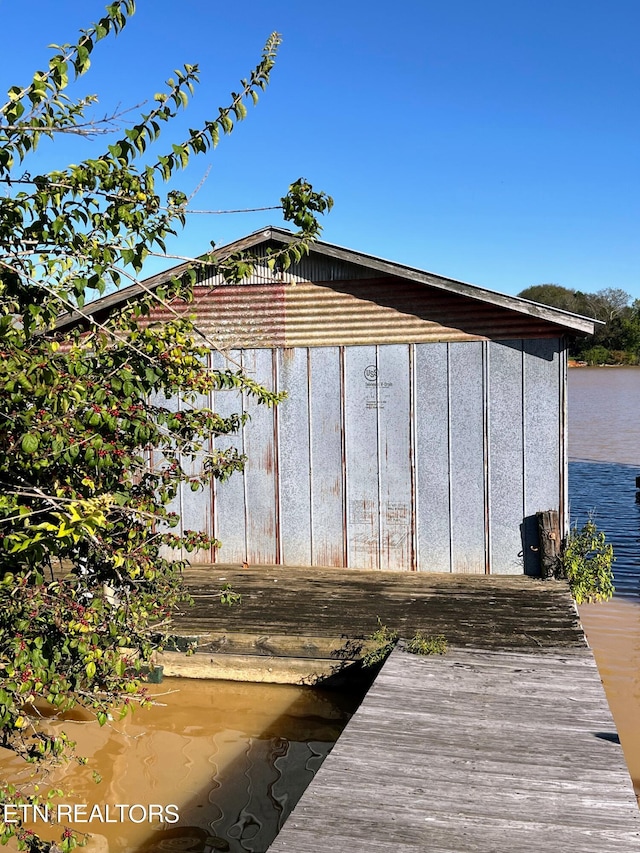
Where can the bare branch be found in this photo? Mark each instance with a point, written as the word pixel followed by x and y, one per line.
pixel 88 129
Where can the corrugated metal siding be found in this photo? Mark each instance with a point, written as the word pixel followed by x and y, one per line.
pixel 433 457
pixel 345 312
pixel 312 267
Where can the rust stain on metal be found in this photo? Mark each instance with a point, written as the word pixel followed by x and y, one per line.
pixel 347 311
pixel 268 459
pixel 330 556
pixel 336 488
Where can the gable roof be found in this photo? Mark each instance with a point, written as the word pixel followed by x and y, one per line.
pixel 362 266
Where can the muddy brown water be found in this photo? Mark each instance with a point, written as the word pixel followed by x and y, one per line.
pixel 604 452
pixel 230 759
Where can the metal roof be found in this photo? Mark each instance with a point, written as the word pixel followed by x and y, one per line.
pixel 565 320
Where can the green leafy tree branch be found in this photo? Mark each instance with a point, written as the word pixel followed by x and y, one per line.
pixel 92 450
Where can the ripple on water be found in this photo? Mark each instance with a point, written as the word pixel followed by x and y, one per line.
pixel 606 491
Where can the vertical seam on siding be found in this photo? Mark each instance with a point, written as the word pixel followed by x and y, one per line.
pixel 486 426
pixel 379 458
pixel 310 459
pixel 412 458
pixel 275 384
pixel 449 458
pixel 343 451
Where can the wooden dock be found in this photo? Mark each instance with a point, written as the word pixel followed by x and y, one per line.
pixel 477 751
pixel 300 625
pixel 504 745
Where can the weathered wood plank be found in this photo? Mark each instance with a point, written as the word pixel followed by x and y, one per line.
pixel 280 645
pixel 473 752
pixel 499 612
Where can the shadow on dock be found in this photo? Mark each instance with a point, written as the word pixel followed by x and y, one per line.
pixel 304 625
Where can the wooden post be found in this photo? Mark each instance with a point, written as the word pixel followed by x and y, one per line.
pixel 549 536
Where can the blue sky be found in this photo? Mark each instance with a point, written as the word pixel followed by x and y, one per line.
pixel 495 142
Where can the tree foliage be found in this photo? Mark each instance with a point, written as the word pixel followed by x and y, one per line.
pixel 617 337
pixel 91 455
pixel 587 563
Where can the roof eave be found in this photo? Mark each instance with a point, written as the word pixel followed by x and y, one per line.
pixel 565 320
pixel 575 322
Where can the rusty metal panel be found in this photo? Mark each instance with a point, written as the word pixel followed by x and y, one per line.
pixel 466 385
pixel 294 457
pixel 362 465
pixel 282 311
pixel 543 374
pixel 327 461
pixel 241 316
pixel 506 461
pixel 229 497
pixel 394 443
pixel 431 407
pixel 261 470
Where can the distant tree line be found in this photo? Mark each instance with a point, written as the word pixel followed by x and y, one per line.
pixel 617 341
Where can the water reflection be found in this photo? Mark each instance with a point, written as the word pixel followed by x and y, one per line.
pixel 233 757
pixel 606 491
pixel 604 442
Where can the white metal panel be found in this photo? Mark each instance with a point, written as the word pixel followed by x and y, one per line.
pixel 294 458
pixel 158 461
pixel 196 506
pixel 543 440
pixel 431 406
pixel 261 468
pixel 394 449
pixel 466 391
pixel 362 465
pixel 506 474
pixel 327 462
pixel 229 498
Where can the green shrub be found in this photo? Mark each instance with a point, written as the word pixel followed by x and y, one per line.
pixel 423 644
pixel 587 561
pixel 385 640
pixel 597 355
